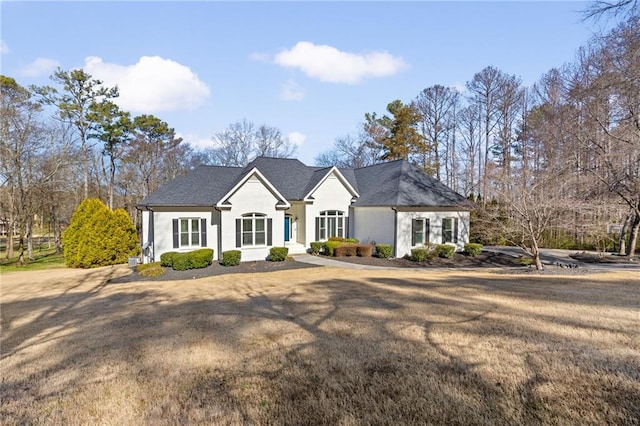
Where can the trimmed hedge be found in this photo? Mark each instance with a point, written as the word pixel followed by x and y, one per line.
pixel 194 259
pixel 384 251
pixel 231 257
pixel 339 239
pixel 153 269
pixel 330 246
pixel 364 250
pixel 352 240
pixel 166 259
pixel 345 250
pixel 420 254
pixel 278 254
pixel 445 250
pixel 316 247
pixel 473 249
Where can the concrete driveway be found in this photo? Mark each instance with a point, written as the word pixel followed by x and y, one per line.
pixel 562 258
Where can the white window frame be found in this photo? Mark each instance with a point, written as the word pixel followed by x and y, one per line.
pixel 331 228
pixel 189 233
pixel 425 231
pixel 252 234
pixel 452 237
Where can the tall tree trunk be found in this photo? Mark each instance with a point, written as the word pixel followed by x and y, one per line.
pixel 30 239
pixel 622 242
pixel 633 238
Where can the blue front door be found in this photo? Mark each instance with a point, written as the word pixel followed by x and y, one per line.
pixel 287 228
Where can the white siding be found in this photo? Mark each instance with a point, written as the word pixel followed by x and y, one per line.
pixel 297 211
pixel 330 195
pixel 404 221
pixel 163 229
pixel 373 224
pixel 252 197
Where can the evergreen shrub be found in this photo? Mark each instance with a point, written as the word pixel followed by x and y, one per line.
pixel 352 240
pixel 345 250
pixel 231 257
pixel 166 259
pixel 473 249
pixel 278 254
pixel 316 247
pixel 340 239
pixel 384 251
pixel 446 250
pixel 330 246
pixel 98 236
pixel 153 269
pixel 181 262
pixel 420 254
pixel 200 258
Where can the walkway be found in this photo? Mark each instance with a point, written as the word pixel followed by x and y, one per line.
pixel 325 261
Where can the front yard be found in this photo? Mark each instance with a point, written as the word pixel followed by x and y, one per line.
pixel 320 346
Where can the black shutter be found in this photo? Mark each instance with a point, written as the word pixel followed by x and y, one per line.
pixel 238 233
pixel 346 226
pixel 203 232
pixel 176 241
pixel 455 230
pixel 427 231
pixel 269 229
pixel 413 232
pixel 317 229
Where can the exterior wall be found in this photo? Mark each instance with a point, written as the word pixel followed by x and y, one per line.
pixel 404 218
pixel 371 224
pixel 330 195
pixel 162 238
pixel 252 197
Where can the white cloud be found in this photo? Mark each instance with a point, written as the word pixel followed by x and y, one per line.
pixel 460 87
pixel 296 138
pixel 329 64
pixel 196 141
pixel 4 47
pixel 152 84
pixel 291 91
pixel 41 66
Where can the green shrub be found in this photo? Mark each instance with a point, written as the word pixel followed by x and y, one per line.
pixel 181 262
pixel 278 254
pixel 364 250
pixel 153 269
pixel 384 251
pixel 98 236
pixel 339 239
pixel 352 240
pixel 446 250
pixel 420 254
pixel 473 249
pixel 345 250
pixel 200 258
pixel 231 257
pixel 166 259
pixel 316 246
pixel 330 246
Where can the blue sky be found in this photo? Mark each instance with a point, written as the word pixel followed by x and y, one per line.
pixel 312 69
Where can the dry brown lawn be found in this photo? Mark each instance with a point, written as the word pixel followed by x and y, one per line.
pixel 321 346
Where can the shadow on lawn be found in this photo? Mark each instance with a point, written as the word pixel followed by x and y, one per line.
pixel 382 350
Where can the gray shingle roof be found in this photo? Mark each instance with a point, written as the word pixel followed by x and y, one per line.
pixel 397 183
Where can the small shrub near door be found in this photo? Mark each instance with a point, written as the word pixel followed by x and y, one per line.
pixel 330 246
pixel 473 249
pixel 316 246
pixel 345 250
pixel 384 251
pixel 420 254
pixel 201 258
pixel 278 254
pixel 445 250
pixel 231 257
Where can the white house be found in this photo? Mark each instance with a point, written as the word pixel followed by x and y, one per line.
pixel 277 202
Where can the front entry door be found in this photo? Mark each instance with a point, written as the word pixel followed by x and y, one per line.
pixel 287 228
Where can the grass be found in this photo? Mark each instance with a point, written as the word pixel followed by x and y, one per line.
pixel 43 259
pixel 327 346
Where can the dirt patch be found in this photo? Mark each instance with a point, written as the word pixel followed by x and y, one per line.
pixel 604 258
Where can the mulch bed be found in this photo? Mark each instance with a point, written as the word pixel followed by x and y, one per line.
pixel 216 269
pixel 459 260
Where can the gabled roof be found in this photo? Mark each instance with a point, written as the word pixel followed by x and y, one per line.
pixel 397 183
pixel 203 186
pixel 282 201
